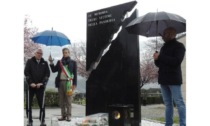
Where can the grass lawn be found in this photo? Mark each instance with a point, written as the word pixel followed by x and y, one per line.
pixel 162 119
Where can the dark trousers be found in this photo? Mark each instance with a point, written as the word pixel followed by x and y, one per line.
pixel 26 97
pixel 39 95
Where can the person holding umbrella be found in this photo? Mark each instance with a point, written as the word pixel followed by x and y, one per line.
pixel 66 82
pixel 169 61
pixel 37 73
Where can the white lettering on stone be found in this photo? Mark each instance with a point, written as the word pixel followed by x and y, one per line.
pixel 99 18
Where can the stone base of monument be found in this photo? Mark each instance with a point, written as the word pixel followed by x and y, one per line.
pixel 99 119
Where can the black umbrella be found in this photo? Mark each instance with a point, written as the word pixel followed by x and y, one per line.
pixel 153 24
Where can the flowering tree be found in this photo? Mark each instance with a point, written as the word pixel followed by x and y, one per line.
pixel 78 51
pixel 29 45
pixel 147 69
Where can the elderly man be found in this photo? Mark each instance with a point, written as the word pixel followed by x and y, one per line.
pixel 37 73
pixel 170 76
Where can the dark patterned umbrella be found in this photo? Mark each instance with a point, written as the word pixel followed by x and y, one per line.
pixel 153 24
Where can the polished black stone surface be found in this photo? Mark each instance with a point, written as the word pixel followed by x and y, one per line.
pixel 116 78
pixel 101 26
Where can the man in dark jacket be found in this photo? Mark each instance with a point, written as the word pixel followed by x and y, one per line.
pixel 37 73
pixel 170 76
pixel 62 79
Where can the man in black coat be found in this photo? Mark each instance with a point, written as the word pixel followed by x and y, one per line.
pixel 37 73
pixel 170 75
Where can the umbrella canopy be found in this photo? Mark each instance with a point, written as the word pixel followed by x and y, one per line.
pixel 153 24
pixel 51 38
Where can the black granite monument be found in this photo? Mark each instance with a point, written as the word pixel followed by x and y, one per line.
pixel 115 80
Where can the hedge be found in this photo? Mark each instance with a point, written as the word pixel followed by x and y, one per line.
pixel 152 100
pixel 51 99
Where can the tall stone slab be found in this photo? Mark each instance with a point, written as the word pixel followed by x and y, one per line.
pixel 115 80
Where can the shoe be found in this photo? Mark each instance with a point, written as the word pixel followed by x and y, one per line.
pixel 43 124
pixel 62 118
pixel 68 119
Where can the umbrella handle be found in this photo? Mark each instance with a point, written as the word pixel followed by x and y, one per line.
pixel 50 58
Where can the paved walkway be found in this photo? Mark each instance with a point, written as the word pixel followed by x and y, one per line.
pixel 77 111
pixel 154 111
pixel 149 112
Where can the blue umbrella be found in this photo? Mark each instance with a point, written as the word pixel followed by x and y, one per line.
pixel 51 38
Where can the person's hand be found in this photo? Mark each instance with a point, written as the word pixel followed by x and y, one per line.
pixel 50 59
pixel 33 85
pixel 156 55
pixel 38 85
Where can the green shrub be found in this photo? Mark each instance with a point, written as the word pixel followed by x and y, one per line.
pixel 52 99
pixel 80 101
pixel 152 100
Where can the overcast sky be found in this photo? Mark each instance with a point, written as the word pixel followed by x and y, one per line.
pixel 70 17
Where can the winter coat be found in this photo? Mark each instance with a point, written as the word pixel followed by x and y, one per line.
pixel 36 73
pixel 72 66
pixel 169 63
